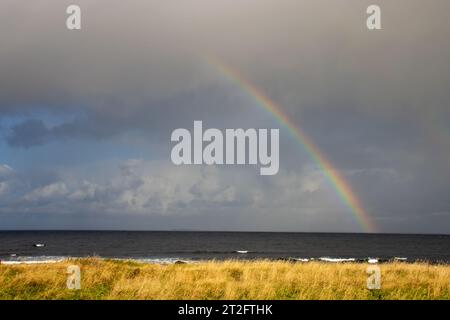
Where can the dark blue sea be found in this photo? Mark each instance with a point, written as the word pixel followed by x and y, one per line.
pixel 167 246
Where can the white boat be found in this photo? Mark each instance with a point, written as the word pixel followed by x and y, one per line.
pixel 242 251
pixel 39 245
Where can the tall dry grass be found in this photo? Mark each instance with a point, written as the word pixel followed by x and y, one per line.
pixel 103 279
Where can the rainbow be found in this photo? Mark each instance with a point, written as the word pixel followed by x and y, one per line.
pixel 336 179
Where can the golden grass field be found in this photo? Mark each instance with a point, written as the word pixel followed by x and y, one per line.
pixel 113 279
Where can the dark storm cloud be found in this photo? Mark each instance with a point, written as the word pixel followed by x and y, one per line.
pixel 128 59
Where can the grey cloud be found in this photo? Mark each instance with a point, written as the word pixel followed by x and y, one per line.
pixel 155 190
pixel 150 71
pixel 149 188
pixel 304 54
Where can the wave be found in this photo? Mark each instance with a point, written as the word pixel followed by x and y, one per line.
pixel 33 260
pixel 327 259
pixel 221 252
pixel 179 260
pixel 56 259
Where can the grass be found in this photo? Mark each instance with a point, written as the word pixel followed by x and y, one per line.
pixel 112 279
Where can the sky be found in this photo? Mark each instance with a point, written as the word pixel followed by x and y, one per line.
pixel 86 115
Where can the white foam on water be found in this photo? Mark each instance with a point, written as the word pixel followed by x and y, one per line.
pixel 326 259
pixel 30 262
pixel 301 259
pixel 15 260
pixel 33 260
pixel 53 259
pixel 161 260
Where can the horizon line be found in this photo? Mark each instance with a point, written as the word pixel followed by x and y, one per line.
pixel 224 231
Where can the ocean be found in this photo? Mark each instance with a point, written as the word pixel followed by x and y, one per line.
pixel 171 246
